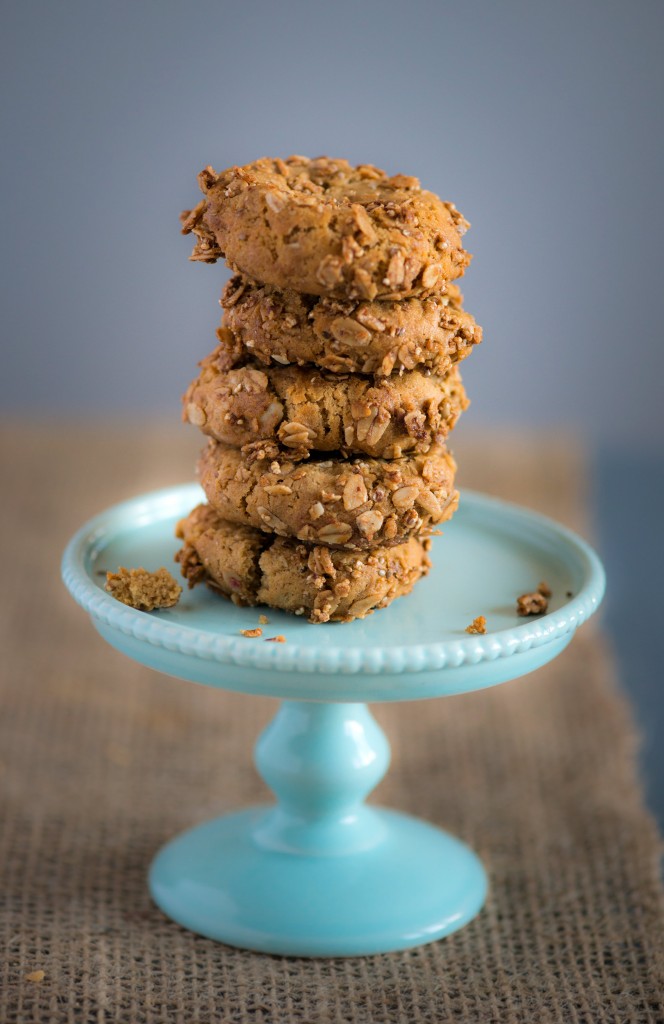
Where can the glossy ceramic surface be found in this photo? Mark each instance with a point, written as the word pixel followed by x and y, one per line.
pixel 416 648
pixel 320 873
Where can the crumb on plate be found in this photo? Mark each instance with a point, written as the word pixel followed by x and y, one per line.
pixel 544 589
pixel 478 625
pixel 142 589
pixel 263 619
pixel 251 632
pixel 532 604
pixel 279 639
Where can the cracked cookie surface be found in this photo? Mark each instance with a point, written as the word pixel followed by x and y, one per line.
pixel 348 503
pixel 324 227
pixel 303 408
pixel 376 337
pixel 323 583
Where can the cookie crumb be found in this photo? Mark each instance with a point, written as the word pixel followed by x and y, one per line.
pixel 251 632
pixel 263 619
pixel 143 590
pixel 279 639
pixel 35 976
pixel 544 589
pixel 531 604
pixel 568 593
pixel 478 625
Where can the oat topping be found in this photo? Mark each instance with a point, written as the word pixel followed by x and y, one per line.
pixel 334 385
pixel 376 337
pixel 286 413
pixel 336 502
pixel 323 227
pixel 323 583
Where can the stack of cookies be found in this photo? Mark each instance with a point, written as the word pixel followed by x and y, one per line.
pixel 333 387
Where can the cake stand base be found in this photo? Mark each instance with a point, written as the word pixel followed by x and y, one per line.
pixel 319 873
pixel 415 885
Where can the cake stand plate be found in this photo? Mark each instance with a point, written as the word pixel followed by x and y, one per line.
pixel 319 872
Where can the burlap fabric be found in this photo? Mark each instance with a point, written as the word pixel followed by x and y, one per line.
pixel 103 760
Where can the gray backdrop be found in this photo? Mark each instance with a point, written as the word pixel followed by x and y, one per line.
pixel 542 121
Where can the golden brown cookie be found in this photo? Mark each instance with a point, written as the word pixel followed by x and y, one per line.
pixel 303 409
pixel 326 228
pixel 356 503
pixel 323 583
pixel 347 337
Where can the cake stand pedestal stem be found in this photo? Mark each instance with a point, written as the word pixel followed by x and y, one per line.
pixel 321 760
pixel 319 873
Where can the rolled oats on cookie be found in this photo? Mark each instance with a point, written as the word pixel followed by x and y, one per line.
pixel 330 396
pixel 327 585
pixel 378 337
pixel 342 503
pixel 304 409
pixel 324 227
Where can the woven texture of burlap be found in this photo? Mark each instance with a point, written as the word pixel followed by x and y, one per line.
pixel 102 761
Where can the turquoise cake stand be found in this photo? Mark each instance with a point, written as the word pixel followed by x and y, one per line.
pixel 320 873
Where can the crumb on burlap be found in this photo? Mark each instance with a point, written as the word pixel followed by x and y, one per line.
pixel 544 589
pixel 251 632
pixel 279 639
pixel 263 619
pixel 532 604
pixel 143 590
pixel 478 625
pixel 35 976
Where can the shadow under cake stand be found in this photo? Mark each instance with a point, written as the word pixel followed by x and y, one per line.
pixel 320 873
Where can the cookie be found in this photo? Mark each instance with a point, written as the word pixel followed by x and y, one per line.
pixel 324 227
pixel 376 337
pixel 356 503
pixel 323 583
pixel 303 409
